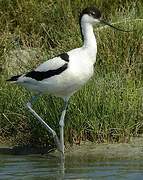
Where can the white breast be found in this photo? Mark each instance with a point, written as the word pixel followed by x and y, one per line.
pixel 78 73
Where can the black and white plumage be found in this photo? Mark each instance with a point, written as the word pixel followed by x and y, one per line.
pixel 63 75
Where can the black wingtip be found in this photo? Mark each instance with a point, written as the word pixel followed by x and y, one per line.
pixel 13 78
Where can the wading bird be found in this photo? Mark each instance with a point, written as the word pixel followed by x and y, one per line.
pixel 63 75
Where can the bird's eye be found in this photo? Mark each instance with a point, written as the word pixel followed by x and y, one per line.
pixel 92 13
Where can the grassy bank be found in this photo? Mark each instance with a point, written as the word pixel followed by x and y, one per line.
pixel 109 108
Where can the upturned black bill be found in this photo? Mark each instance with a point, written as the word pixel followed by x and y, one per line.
pixel 106 23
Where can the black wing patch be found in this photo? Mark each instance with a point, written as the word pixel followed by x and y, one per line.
pixel 64 56
pixel 41 75
pixel 14 78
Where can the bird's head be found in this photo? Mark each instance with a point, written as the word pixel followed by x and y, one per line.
pixel 92 15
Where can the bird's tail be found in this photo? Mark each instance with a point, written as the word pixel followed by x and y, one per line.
pixel 14 78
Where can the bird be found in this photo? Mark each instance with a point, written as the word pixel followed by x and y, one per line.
pixel 66 73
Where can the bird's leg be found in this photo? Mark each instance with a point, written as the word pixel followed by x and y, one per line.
pixel 61 123
pixel 56 139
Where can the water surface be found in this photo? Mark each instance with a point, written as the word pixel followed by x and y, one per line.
pixel 46 167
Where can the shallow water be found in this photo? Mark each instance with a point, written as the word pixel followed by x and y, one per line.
pixel 42 167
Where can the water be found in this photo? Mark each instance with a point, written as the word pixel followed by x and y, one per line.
pixel 42 167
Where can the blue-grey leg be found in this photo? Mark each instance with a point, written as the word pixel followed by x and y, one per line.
pixel 56 139
pixel 61 123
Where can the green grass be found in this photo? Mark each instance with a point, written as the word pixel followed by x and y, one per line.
pixel 109 108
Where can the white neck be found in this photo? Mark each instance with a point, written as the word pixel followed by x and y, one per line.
pixel 88 35
pixel 89 40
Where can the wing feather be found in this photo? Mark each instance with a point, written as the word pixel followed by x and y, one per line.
pixel 51 64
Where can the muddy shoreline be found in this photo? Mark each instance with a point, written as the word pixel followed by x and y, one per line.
pixel 132 150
